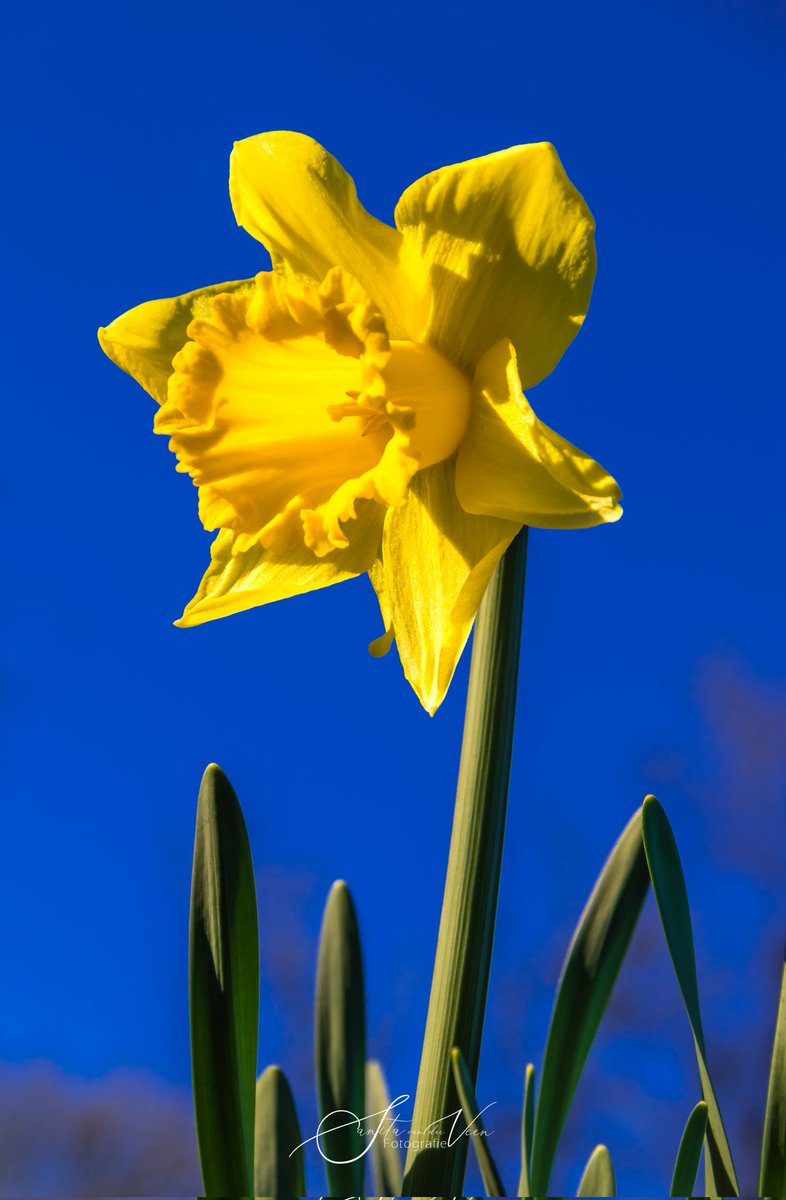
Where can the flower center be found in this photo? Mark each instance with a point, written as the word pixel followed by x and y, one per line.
pixel 420 380
pixel 419 394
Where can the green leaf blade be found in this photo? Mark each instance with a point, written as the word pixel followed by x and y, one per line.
pixel 686 1166
pixel 589 973
pixel 598 1178
pixel 385 1159
pixel 340 1044
pixel 671 895
pixel 278 1151
pixel 772 1176
pixel 223 990
pixel 469 1107
pixel 527 1128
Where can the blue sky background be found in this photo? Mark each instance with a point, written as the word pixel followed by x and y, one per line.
pixel 653 654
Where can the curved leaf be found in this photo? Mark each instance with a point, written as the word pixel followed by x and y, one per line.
pixel 598 1178
pixel 474 1123
pixel 278 1152
pixel 772 1178
pixel 340 1045
pixel 223 990
pixel 385 1159
pixel 591 966
pixel 527 1125
pixel 671 894
pixel 686 1167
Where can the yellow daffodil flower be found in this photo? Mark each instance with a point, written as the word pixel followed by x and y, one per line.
pixel 360 408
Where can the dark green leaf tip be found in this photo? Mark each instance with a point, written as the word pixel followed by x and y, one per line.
pixel 223 989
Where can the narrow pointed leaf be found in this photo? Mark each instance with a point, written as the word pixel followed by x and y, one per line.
pixel 598 1178
pixel 278 1153
pixel 686 1167
pixel 671 894
pixel 590 970
pixel 223 990
pixel 340 1045
pixel 385 1158
pixel 772 1178
pixel 474 1122
pixel 527 1126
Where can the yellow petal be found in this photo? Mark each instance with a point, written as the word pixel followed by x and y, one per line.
pixel 246 578
pixel 436 563
pixel 296 199
pixel 511 465
pixel 509 248
pixel 144 340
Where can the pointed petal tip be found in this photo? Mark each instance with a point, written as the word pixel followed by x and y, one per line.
pixel 187 620
pixel 430 700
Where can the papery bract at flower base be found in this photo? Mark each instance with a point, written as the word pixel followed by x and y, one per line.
pixel 360 408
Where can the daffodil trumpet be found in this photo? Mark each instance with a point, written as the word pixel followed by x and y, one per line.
pixel 360 408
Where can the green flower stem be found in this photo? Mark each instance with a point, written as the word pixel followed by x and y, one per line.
pixel 466 931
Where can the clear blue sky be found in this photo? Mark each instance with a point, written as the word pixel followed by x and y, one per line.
pixel 641 639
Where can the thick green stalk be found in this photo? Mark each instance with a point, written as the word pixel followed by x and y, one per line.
pixel 466 931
